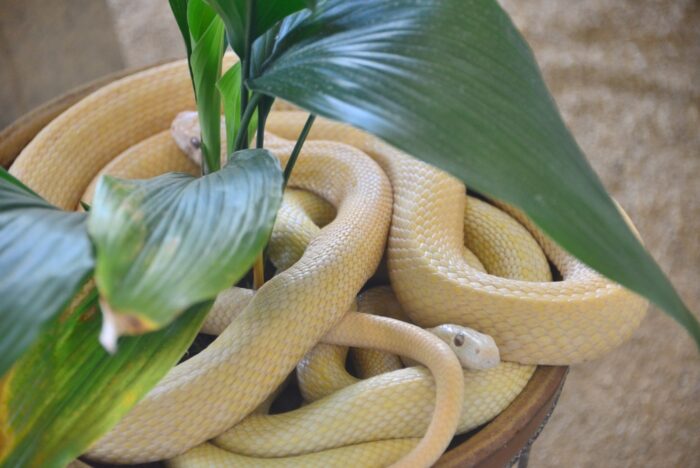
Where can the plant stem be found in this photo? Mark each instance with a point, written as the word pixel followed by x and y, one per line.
pixel 297 148
pixel 245 67
pixel 259 266
pixel 249 31
pixel 242 132
pixel 259 271
pixel 260 135
pixel 241 141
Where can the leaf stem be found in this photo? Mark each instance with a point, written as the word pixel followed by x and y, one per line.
pixel 259 272
pixel 259 266
pixel 249 31
pixel 297 149
pixel 260 135
pixel 244 105
pixel 245 69
pixel 241 141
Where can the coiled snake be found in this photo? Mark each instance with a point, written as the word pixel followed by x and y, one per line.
pixel 124 128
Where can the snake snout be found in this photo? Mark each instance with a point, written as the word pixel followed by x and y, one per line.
pixel 475 350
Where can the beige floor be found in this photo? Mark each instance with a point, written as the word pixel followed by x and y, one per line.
pixel 626 75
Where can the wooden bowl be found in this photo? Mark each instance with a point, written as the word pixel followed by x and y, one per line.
pixel 502 442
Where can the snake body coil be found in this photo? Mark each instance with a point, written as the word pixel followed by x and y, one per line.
pixel 123 129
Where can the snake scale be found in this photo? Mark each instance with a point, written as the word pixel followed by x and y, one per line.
pixel 384 200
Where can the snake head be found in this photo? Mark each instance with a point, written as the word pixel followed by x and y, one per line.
pixel 474 350
pixel 185 131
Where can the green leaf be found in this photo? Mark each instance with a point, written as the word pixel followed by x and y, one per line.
pixel 5 176
pixel 169 242
pixel 262 49
pixel 45 255
pixel 230 88
pixel 267 13
pixel 179 9
pixel 67 391
pixel 207 38
pixel 454 83
pixel 264 46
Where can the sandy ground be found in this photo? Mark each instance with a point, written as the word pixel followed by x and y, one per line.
pixel 626 75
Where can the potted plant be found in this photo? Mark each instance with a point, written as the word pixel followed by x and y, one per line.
pixel 449 82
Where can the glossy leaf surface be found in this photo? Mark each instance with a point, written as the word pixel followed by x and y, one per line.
pixel 67 391
pixel 267 13
pixel 452 82
pixel 179 9
pixel 167 243
pixel 45 255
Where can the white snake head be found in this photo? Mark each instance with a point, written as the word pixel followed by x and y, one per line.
pixel 185 131
pixel 474 350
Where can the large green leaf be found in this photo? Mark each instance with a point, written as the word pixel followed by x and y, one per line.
pixel 45 255
pixel 267 13
pixel 207 38
pixel 454 83
pixel 166 243
pixel 67 391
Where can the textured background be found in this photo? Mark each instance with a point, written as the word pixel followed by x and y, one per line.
pixel 626 75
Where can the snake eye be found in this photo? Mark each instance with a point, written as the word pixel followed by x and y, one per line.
pixel 195 142
pixel 459 339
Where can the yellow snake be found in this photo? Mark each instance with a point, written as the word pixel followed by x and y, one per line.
pixel 435 281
